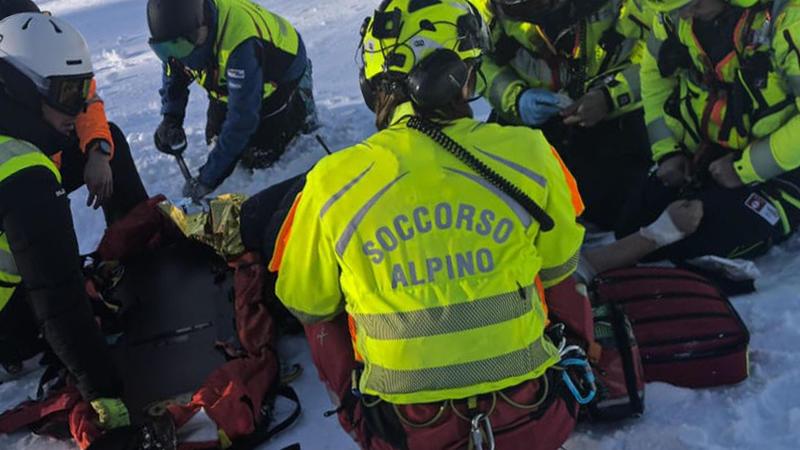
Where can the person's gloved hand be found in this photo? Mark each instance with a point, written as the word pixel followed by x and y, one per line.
pixel 536 106
pixel 111 412
pixel 195 190
pixel 169 136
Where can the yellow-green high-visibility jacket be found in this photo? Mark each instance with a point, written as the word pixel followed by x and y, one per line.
pixel 695 105
pixel 605 54
pixel 238 21
pixel 16 155
pixel 434 264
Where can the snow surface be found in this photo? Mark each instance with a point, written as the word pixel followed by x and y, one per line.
pixel 763 412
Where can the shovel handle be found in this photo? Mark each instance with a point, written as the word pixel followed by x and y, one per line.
pixel 184 168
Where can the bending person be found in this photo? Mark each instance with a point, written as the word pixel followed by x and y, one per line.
pixel 46 70
pixel 434 263
pixel 725 136
pixel 571 68
pixel 254 66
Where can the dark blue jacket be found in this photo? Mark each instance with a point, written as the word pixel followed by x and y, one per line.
pixel 245 77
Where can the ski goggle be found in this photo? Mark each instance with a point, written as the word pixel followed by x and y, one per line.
pixel 177 48
pixel 68 94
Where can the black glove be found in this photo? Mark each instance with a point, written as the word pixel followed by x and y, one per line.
pixel 170 137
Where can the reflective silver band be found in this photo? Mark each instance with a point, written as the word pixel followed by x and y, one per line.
pixel 520 212
pixel 763 161
pixel 514 364
pixel 538 179
pixel 13 148
pixel 658 130
pixel 448 319
pixel 335 197
pixel 631 75
pixel 350 230
pixel 310 319
pixel 500 84
pixel 558 272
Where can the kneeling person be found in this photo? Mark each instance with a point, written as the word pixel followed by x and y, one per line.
pixel 435 264
pixel 46 77
pixel 254 66
pixel 723 123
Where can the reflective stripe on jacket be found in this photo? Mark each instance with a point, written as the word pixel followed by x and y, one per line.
pixel 748 102
pixel 436 266
pixel 606 53
pixel 16 155
pixel 238 21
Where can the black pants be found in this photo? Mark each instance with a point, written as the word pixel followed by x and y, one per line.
pixel 735 223
pixel 19 331
pixel 283 117
pixel 608 161
pixel 128 188
pixel 263 214
pixel 37 221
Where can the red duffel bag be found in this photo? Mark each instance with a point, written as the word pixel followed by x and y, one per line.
pixel 688 332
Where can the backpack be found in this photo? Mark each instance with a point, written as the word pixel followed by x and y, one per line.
pixel 205 324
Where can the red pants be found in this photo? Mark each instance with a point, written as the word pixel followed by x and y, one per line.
pixel 437 426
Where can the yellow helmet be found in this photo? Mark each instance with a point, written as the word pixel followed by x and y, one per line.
pixel 665 6
pixel 445 34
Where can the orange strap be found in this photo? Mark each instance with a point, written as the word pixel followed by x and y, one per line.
pixel 542 298
pixel 577 201
pixel 351 325
pixel 283 237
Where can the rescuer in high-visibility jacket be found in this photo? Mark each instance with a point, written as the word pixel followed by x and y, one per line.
pixel 254 66
pixel 720 83
pixel 571 68
pixel 46 74
pixel 436 236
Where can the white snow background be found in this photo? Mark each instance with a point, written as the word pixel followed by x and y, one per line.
pixel 762 412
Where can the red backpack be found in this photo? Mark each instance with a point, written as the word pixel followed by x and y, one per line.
pixel 230 404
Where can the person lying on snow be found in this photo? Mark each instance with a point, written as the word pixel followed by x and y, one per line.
pixel 449 309
pixel 720 82
pixel 47 97
pixel 254 66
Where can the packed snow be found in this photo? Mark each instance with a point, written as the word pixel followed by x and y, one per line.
pixel 762 412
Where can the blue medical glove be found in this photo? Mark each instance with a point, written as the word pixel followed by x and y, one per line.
pixel 536 106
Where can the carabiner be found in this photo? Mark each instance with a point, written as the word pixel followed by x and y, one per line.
pixel 476 433
pixel 587 375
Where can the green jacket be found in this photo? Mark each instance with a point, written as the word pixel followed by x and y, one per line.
pixel 748 102
pixel 607 48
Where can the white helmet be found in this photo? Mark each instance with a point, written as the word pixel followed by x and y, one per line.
pixel 52 54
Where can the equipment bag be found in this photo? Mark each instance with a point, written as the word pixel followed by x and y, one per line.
pixel 196 348
pixel 617 367
pixel 688 332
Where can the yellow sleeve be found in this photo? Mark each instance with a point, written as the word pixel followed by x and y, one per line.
pixel 778 152
pixel 624 89
pixel 560 247
pixel 655 92
pixel 308 272
pixel 498 82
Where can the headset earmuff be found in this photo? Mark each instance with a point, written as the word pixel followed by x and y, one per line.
pixel 367 90
pixel 438 79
